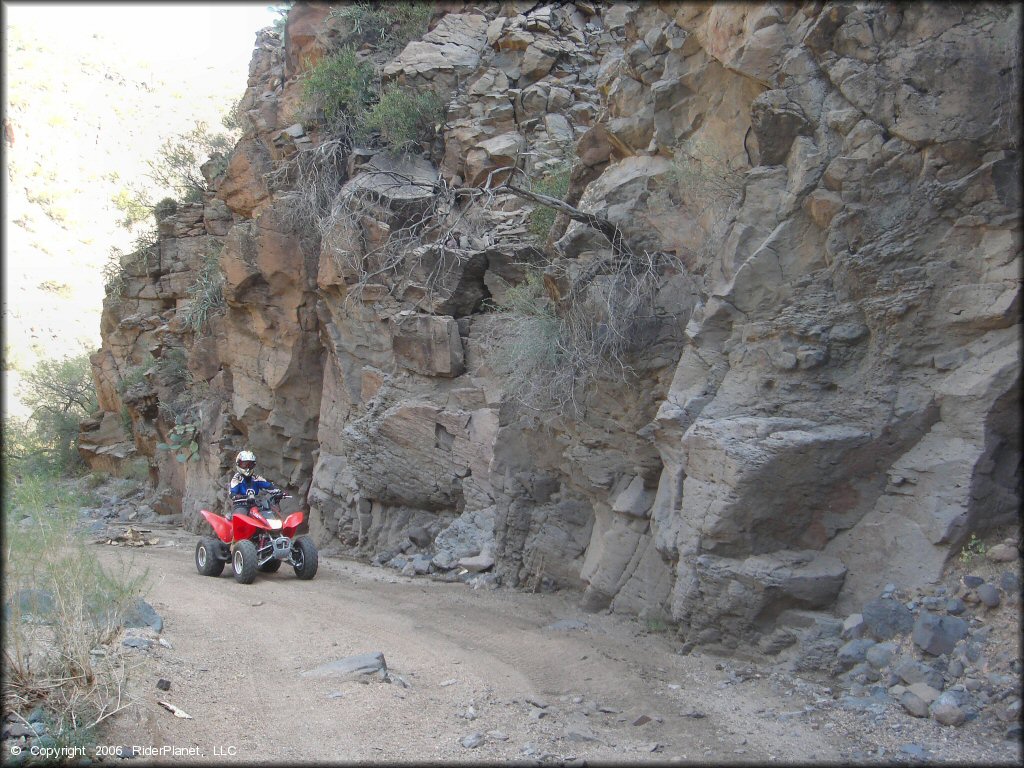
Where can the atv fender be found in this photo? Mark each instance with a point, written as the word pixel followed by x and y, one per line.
pixel 244 526
pixel 293 521
pixel 220 526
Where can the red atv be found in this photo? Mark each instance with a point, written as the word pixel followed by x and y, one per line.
pixel 256 540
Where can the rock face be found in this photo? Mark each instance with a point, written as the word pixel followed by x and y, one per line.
pixel 827 399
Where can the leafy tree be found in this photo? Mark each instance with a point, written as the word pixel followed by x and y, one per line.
pixel 177 164
pixel 60 394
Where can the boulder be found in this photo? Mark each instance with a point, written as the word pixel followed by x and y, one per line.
pixel 938 634
pixel 360 664
pixel 947 709
pixel 912 671
pixel 886 618
pixel 989 595
pixel 854 652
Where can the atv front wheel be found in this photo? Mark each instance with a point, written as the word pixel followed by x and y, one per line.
pixel 207 562
pixel 306 558
pixel 243 562
pixel 271 566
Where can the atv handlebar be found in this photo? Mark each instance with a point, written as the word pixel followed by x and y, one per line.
pixel 252 495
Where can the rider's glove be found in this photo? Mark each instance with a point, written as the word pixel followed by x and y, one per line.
pixel 251 494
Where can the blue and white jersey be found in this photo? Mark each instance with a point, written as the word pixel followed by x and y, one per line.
pixel 241 485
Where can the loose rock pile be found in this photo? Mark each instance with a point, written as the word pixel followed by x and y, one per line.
pixel 949 652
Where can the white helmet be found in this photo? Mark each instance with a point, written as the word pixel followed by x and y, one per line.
pixel 245 463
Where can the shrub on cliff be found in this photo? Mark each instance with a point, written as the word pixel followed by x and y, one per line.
pixel 386 26
pixel 402 119
pixel 340 88
pixel 206 294
pixel 554 183
pixel 573 326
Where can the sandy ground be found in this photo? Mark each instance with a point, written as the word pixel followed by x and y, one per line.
pixel 237 652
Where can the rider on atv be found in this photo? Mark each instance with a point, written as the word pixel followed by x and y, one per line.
pixel 246 484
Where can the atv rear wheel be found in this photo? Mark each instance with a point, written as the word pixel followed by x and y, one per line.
pixel 306 558
pixel 243 562
pixel 207 562
pixel 271 566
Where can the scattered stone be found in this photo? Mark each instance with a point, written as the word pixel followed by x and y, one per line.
pixel 914 750
pixel 163 684
pixel 886 618
pixel 853 627
pixel 854 652
pixel 1009 583
pixel 498 735
pixel 642 720
pixel 1002 553
pixel 31 602
pixel 540 703
pixel 137 642
pixel 360 664
pixel 913 704
pixel 938 634
pixel 579 731
pixel 165 643
pixel 946 709
pixel 879 655
pixel 912 671
pixel 925 692
pixel 1013 733
pixel 335 694
pixel 469 714
pixel 955 606
pixel 973 582
pixel 473 740
pixel 989 595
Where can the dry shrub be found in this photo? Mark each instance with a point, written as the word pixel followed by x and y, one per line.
pixel 552 352
pixel 63 608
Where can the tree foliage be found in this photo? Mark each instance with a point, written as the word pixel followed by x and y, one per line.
pixel 60 393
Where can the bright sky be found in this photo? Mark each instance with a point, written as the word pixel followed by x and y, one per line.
pixel 197 48
pixel 219 33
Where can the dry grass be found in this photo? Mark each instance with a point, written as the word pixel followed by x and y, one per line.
pixel 63 609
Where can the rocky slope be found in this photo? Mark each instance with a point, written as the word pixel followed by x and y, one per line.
pixel 826 396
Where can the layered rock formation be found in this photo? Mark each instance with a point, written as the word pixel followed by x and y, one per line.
pixel 828 401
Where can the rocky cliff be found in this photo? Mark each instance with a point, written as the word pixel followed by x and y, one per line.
pixel 810 213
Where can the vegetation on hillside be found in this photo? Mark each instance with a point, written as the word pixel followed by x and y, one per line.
pixel 60 393
pixel 62 617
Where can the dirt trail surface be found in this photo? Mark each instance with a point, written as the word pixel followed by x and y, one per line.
pixel 539 679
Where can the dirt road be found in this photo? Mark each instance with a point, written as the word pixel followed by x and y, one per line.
pixel 614 691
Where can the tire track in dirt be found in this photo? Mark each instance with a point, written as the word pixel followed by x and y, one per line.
pixel 253 641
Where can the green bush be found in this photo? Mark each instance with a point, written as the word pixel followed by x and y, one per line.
pixel 340 87
pixel 554 183
pixel 166 207
pixel 135 374
pixel 387 26
pixel 176 167
pixel 60 393
pixel 402 119
pixel 206 294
